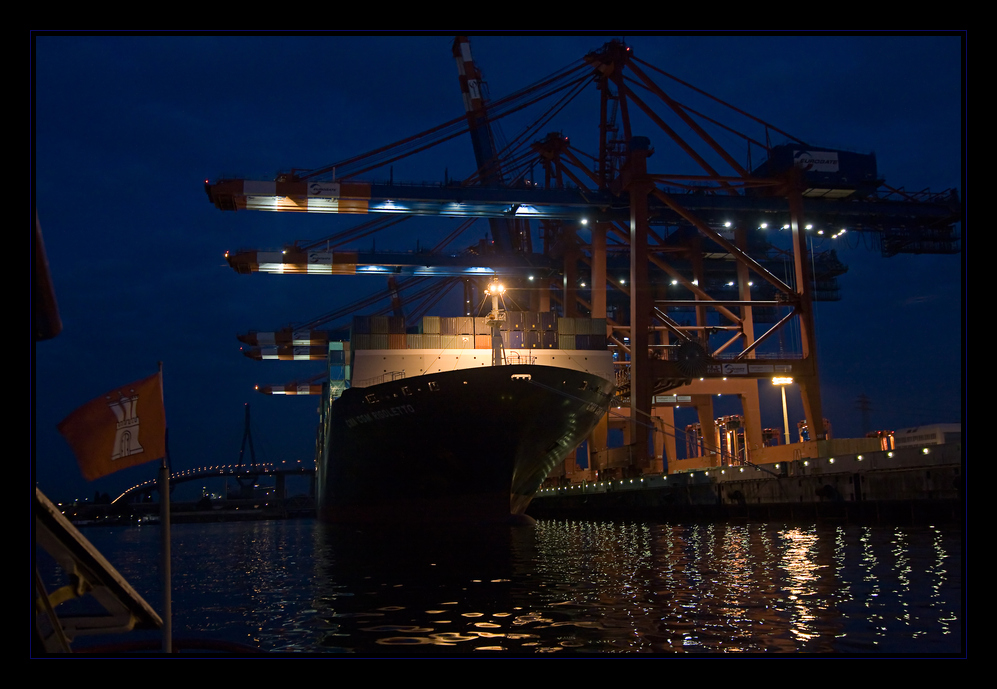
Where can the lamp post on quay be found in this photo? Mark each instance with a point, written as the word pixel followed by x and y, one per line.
pixel 782 382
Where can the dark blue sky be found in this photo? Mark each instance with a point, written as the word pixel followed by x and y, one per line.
pixel 127 128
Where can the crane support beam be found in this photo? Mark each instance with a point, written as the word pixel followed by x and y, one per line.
pixel 870 215
pixel 287 353
pixel 295 261
pixel 482 139
pixel 287 338
pixel 291 389
pixel 639 185
pixel 809 382
pixel 755 369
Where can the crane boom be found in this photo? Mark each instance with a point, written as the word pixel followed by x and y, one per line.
pixel 296 261
pixel 483 140
pixel 869 214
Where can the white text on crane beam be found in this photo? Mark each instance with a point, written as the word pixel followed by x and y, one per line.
pixel 325 190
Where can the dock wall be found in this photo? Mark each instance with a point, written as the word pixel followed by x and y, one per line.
pixel 915 483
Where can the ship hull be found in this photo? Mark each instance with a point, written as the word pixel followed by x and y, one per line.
pixel 464 446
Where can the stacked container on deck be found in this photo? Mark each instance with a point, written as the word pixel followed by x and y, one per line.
pixel 520 330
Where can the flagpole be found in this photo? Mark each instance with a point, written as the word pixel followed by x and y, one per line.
pixel 164 521
pixel 104 436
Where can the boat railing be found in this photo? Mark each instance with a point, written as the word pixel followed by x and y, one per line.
pixel 515 358
pixel 377 380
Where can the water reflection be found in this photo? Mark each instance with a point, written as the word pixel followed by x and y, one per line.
pixel 561 587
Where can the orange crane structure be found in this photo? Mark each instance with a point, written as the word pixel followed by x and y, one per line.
pixel 680 263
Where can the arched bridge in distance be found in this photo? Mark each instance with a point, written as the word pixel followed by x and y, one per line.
pixel 238 471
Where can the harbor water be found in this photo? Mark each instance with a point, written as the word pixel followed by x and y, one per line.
pixel 563 588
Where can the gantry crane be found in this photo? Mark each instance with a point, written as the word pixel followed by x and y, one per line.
pixel 681 236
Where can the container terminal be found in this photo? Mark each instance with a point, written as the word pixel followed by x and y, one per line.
pixel 697 268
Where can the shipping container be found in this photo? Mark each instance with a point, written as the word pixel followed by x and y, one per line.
pixel 361 324
pixel 431 325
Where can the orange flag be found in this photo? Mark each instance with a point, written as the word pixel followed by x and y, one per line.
pixel 123 428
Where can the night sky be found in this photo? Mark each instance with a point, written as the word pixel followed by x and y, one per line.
pixel 127 129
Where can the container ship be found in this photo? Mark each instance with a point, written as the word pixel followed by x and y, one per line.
pixel 459 423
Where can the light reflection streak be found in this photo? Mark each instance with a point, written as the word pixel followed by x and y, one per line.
pixel 799 562
pixel 570 587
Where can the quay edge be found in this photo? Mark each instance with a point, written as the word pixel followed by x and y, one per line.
pixel 919 485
